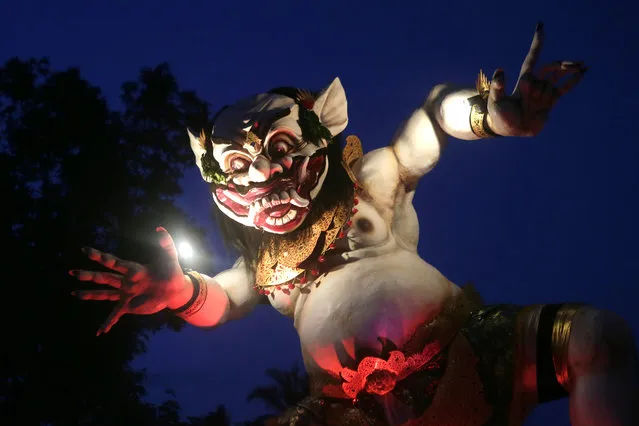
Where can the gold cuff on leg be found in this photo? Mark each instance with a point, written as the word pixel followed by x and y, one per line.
pixel 560 342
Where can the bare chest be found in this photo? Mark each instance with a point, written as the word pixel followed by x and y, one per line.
pixel 354 306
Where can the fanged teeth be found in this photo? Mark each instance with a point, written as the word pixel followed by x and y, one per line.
pixel 303 173
pixel 316 189
pixel 285 197
pixel 297 200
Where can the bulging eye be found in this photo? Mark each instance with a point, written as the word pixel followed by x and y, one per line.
pixel 280 145
pixel 238 164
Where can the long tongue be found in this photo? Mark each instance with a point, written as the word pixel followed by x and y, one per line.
pixel 278 211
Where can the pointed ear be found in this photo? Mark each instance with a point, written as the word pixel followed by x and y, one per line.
pixel 199 149
pixel 331 107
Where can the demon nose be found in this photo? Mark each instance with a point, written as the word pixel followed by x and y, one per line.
pixel 262 169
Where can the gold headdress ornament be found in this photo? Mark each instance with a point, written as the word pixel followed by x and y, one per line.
pixel 202 139
pixel 252 142
pixel 482 85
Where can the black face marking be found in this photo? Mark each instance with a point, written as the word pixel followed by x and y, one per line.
pixel 263 125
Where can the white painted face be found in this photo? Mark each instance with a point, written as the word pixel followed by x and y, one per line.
pixel 273 174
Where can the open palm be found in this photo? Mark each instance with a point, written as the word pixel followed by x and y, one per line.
pixel 137 289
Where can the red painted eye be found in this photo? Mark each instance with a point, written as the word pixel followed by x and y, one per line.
pixel 280 145
pixel 238 164
pixel 279 149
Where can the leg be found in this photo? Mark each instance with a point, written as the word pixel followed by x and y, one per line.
pixel 603 370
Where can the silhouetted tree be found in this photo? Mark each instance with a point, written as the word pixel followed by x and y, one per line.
pixel 74 172
pixel 290 387
pixel 219 417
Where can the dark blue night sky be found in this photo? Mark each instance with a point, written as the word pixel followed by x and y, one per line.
pixel 552 218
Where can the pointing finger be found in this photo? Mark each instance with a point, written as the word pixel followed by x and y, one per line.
pixel 558 70
pixel 497 86
pixel 571 82
pixel 108 260
pixel 533 53
pixel 114 280
pixel 112 295
pixel 113 318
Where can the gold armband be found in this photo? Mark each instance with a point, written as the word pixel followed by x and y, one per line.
pixel 560 342
pixel 200 291
pixel 479 109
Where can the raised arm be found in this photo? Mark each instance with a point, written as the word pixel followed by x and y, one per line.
pixel 146 289
pixel 484 111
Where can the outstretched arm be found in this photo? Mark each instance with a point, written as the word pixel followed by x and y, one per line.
pixel 146 289
pixel 484 111
pixel 229 295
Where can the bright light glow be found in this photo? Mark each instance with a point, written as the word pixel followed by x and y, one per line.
pixel 455 110
pixel 185 251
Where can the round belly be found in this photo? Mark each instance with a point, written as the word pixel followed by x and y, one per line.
pixel 354 306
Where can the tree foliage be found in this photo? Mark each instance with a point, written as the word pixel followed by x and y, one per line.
pixel 76 172
pixel 288 387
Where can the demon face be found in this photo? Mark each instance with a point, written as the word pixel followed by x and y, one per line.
pixel 269 152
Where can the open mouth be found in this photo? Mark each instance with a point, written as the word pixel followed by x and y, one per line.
pixel 281 204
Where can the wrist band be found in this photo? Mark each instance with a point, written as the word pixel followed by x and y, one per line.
pixel 479 117
pixel 479 108
pixel 200 290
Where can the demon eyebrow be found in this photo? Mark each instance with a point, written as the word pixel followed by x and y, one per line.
pixel 281 114
pixel 222 141
pixel 265 125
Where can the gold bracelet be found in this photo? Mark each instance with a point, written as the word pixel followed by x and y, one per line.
pixel 200 291
pixel 479 108
pixel 479 118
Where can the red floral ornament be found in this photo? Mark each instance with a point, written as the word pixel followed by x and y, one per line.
pixel 377 376
pixel 374 375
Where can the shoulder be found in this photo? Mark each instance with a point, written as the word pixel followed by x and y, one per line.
pixel 378 172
